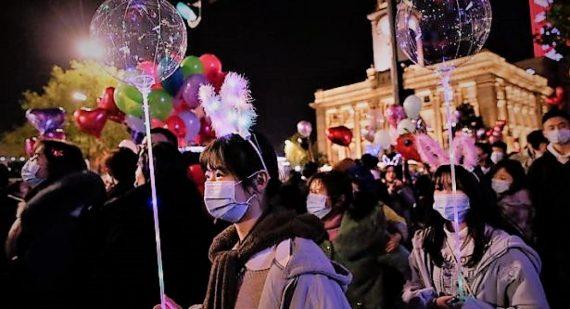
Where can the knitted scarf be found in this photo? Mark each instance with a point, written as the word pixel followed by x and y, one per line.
pixel 270 230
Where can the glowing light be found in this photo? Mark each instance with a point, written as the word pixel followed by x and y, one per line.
pixel 89 48
pixel 79 96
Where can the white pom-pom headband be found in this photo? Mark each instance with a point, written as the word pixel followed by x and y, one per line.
pixel 231 111
pixel 463 148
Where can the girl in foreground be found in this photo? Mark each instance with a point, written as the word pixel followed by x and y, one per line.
pixel 499 270
pixel 267 258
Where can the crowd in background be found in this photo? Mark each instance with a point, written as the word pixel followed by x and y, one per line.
pixel 371 233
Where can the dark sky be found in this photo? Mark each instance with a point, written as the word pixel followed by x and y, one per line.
pixel 287 49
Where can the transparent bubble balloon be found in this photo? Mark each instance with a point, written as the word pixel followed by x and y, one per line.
pixel 142 42
pixel 434 32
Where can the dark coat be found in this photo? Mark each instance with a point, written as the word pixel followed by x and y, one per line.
pixel 549 183
pixel 127 274
pixel 52 265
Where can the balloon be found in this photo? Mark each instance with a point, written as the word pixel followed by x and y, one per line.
pixel 46 119
pixel 304 128
pixel 413 106
pixel 174 82
pixel 29 145
pixel 192 124
pixel 217 79
pixel 557 98
pixel 134 123
pixel 340 135
pixel 383 139
pixel 191 65
pixel 160 104
pixel 367 133
pixel 155 123
pixel 55 134
pixel 211 64
pixel 176 125
pixel 196 174
pixel 129 100
pixel 90 121
pixel 107 102
pixel 406 146
pixel 142 42
pixel 433 32
pixel 406 126
pixel 206 134
pixel 393 114
pixel 190 90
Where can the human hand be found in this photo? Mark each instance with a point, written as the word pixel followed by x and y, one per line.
pixel 442 302
pixel 393 242
pixel 168 304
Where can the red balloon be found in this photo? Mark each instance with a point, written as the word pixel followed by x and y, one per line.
pixel 107 103
pixel 211 64
pixel 196 174
pixel 406 146
pixel 179 104
pixel 29 145
pixel 90 121
pixel 176 125
pixel 557 98
pixel 206 134
pixel 155 123
pixel 340 135
pixel 217 79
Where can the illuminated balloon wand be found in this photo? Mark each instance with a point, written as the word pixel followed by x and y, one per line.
pixel 142 43
pixel 433 33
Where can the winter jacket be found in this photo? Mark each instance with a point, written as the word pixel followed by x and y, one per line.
pixel 378 277
pixel 506 277
pixel 301 276
pixel 52 263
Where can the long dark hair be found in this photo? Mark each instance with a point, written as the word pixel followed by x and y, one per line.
pixel 516 170
pixel 236 156
pixel 483 211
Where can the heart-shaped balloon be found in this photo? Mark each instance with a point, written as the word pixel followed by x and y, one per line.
pixel 340 135
pixel 406 146
pixel 29 145
pixel 107 102
pixel 56 134
pixel 90 121
pixel 46 119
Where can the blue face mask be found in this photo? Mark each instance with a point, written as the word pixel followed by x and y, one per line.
pixel 221 203
pixel 445 205
pixel 317 205
pixel 30 171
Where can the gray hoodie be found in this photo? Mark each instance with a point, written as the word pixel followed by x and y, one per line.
pixel 301 276
pixel 506 277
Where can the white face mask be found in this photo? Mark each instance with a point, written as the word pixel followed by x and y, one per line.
pixel 500 186
pixel 558 136
pixel 317 205
pixel 497 156
pixel 445 205
pixel 221 203
pixel 30 171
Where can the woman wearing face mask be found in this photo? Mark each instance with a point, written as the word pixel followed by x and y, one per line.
pixel 268 257
pixel 379 265
pixel 48 243
pixel 498 270
pixel 509 183
pixel 400 196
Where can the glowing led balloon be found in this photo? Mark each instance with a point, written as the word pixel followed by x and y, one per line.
pixel 135 34
pixel 434 32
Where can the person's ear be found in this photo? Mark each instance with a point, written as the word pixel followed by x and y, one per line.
pixel 261 181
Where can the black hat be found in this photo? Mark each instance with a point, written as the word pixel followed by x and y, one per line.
pixel 555 113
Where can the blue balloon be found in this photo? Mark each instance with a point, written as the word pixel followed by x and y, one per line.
pixel 174 82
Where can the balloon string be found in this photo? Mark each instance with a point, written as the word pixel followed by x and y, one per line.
pixel 145 92
pixel 445 75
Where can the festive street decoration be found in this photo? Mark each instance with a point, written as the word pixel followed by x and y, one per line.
pixel 340 135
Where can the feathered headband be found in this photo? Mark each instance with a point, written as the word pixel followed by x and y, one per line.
pixel 462 149
pixel 396 160
pixel 230 110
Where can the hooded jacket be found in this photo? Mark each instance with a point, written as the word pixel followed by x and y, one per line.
pixel 301 276
pixel 506 277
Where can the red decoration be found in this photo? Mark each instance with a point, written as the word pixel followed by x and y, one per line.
pixel 90 121
pixel 406 146
pixel 340 135
pixel 212 65
pixel 206 133
pixel 176 125
pixel 197 176
pixel 107 103
pixel 155 123
pixel 557 99
pixel 217 79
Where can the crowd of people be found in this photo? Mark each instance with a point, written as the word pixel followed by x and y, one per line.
pixel 370 233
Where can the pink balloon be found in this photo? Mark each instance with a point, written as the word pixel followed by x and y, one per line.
pixel 394 114
pixel 304 128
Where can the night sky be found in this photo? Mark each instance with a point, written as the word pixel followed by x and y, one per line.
pixel 287 49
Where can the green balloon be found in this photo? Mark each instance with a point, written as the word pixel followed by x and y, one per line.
pixel 191 65
pixel 129 100
pixel 160 104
